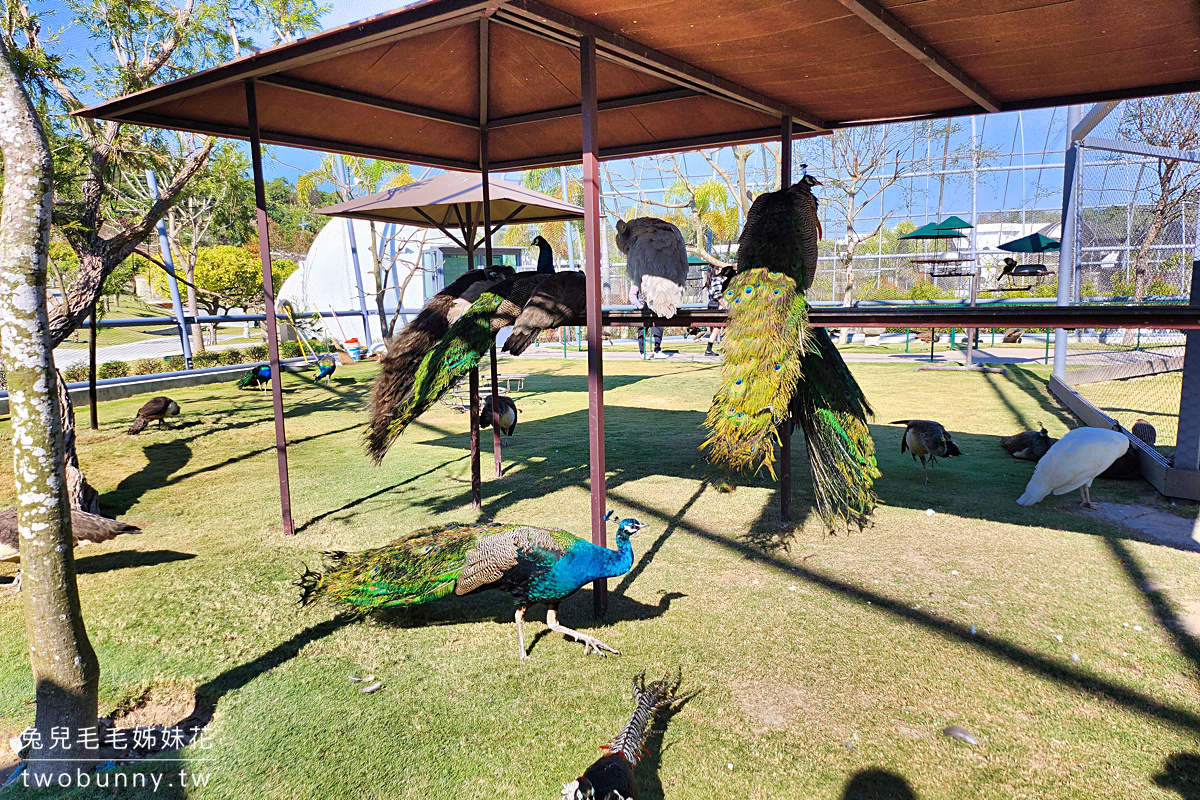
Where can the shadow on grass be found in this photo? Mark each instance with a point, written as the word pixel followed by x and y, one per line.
pixel 877 784
pixel 1180 774
pixel 163 460
pixel 1035 388
pixel 127 559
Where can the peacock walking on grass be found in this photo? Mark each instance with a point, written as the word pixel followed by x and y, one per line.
pixel 258 376
pixel 85 529
pixel 156 408
pixel 405 351
pixel 535 565
pixel 778 369
pixel 326 366
pixel 611 777
pixel 529 301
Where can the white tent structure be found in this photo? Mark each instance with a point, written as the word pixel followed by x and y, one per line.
pixel 415 263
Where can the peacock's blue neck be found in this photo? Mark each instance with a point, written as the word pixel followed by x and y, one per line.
pixel 583 563
pixel 545 259
pixel 619 561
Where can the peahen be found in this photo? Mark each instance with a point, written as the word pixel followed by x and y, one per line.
pixel 528 301
pixel 405 351
pixel 85 529
pixel 156 408
pixel 656 261
pixel 611 777
pixel 1073 462
pixel 778 369
pixel 326 366
pixel 545 263
pixel 1028 445
pixel 924 438
pixel 535 565
pixel 258 376
pixel 506 419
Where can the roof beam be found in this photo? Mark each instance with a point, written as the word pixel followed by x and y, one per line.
pixel 543 20
pixel 305 142
pixel 1094 117
pixel 902 36
pixel 368 100
pixel 562 112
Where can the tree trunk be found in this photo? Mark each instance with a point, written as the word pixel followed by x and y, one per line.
pixel 80 493
pixel 65 668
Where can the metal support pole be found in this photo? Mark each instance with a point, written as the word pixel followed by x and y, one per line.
pixel 264 254
pixel 591 268
pixel 975 268
pixel 358 281
pixel 476 477
pixel 486 185
pixel 562 174
pixel 785 430
pixel 164 251
pixel 1187 438
pixel 92 369
pixel 1066 253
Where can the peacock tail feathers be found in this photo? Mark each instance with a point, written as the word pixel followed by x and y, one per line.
pixel 629 743
pixel 764 349
pixel 416 568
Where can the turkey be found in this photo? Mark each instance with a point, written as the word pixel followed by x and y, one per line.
pixel 158 408
pixel 778 370
pixel 656 261
pixel 393 386
pixel 506 419
pixel 612 776
pixel 1073 462
pixel 926 438
pixel 85 529
pixel 534 565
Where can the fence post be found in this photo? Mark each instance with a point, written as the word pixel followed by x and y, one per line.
pixel 1187 437
pixel 164 250
pixel 1066 253
pixel 95 421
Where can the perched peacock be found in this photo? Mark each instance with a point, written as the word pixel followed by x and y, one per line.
pixel 258 376
pixel 528 301
pixel 778 369
pixel 535 565
pixel 405 351
pixel 326 366
pixel 611 777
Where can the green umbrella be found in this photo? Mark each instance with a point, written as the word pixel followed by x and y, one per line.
pixel 933 231
pixel 954 224
pixel 1033 243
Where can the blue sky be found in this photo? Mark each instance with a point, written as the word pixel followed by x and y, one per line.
pixel 1000 133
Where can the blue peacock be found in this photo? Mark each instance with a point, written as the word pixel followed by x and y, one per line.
pixel 258 376
pixel 778 370
pixel 534 565
pixel 326 366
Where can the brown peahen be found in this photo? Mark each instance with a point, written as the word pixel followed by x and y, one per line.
pixel 777 369
pixel 612 776
pixel 534 565
pixel 506 418
pixel 85 529
pixel 157 408
pixel 1028 445
pixel 529 301
pixel 394 384
pixel 925 438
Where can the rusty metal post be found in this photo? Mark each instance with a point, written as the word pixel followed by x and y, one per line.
pixel 264 254
pixel 591 269
pixel 92 369
pixel 785 431
pixel 485 184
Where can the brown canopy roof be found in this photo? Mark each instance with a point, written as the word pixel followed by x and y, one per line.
pixel 672 73
pixel 454 199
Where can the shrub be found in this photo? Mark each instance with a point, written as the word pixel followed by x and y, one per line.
pixel 112 369
pixel 925 290
pixel 175 364
pixel 147 366
pixel 205 359
pixel 75 373
pixel 256 352
pixel 883 290
pixel 231 356
pixel 289 350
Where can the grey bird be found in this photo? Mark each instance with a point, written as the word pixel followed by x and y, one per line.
pixel 925 438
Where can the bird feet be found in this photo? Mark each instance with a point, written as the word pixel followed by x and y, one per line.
pixel 15 586
pixel 590 643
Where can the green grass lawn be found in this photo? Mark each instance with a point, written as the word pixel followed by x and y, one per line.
pixel 802 642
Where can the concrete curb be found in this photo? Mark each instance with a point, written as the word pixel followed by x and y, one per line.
pixel 119 388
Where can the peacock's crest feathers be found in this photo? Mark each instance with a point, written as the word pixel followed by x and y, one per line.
pixel 765 343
